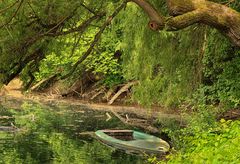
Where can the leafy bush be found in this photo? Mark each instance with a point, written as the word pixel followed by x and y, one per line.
pixel 221 72
pixel 215 145
pixel 204 140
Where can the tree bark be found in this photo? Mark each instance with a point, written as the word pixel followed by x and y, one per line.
pixel 185 13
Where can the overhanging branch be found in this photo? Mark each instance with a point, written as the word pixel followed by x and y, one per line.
pixel 17 67
pixel 188 12
pixel 78 29
pixel 157 21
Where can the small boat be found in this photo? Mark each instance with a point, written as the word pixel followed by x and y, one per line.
pixel 133 141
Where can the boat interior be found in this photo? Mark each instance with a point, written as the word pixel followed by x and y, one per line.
pixel 125 135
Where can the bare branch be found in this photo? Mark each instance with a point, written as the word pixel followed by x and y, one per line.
pixel 80 28
pixel 90 10
pixel 156 20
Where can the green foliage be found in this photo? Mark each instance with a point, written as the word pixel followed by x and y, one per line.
pixel 24 44
pixel 170 66
pixel 104 64
pixel 212 145
pixel 113 80
pixel 11 157
pixel 51 134
pixel 220 72
pixel 62 54
pixel 203 140
pixel 196 64
pixel 106 60
pixel 164 63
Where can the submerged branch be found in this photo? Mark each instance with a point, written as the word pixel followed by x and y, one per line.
pixel 136 123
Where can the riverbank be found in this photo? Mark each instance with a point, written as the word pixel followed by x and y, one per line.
pixel 134 115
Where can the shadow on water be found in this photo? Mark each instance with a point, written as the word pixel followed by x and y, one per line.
pixel 51 134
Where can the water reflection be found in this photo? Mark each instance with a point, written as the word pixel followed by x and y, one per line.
pixel 51 134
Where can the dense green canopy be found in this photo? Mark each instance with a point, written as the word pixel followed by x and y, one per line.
pixel 32 29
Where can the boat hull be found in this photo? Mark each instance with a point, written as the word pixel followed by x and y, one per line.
pixel 141 142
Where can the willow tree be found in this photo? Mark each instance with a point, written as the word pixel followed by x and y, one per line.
pixel 28 27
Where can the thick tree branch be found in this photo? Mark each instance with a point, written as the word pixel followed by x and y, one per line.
pixel 189 12
pixel 157 21
pixel 183 21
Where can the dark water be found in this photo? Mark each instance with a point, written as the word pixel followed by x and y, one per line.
pixel 50 133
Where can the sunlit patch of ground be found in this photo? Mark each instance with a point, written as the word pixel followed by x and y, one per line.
pixel 14 88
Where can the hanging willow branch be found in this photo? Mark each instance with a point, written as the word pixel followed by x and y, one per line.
pixel 8 7
pixel 96 39
pixel 14 14
pixel 16 68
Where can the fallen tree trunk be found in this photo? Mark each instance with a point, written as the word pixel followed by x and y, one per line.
pixel 123 89
pixel 43 83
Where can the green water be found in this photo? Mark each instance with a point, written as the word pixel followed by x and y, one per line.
pixel 50 133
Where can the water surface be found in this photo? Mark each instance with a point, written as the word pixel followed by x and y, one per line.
pixel 52 133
